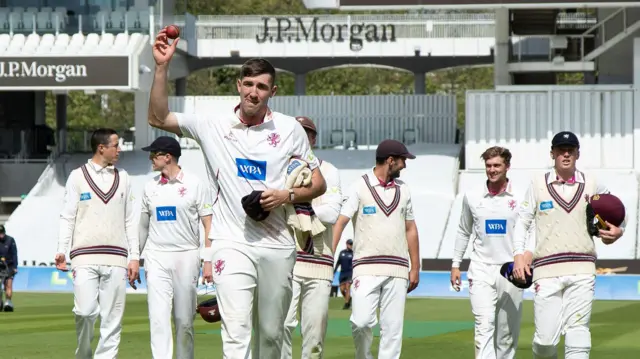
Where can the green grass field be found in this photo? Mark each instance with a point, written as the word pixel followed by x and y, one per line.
pixel 43 327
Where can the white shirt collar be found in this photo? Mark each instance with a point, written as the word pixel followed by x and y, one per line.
pixel 164 180
pixel 508 190
pixel 374 181
pixel 96 167
pixel 237 121
pixel 578 177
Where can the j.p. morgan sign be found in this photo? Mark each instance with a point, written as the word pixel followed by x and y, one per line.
pixel 298 29
pixel 64 72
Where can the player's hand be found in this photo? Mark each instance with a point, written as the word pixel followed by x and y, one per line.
pixel 15 271
pixel 414 279
pixel 611 234
pixel 162 50
pixel 273 198
pixel 207 273
pixel 133 273
pixel 528 259
pixel 456 282
pixel 520 269
pixel 61 262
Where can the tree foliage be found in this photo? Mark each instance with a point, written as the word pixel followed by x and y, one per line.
pixel 116 109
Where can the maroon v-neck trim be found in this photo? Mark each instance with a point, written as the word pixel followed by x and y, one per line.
pixel 387 210
pixel 567 206
pixel 105 197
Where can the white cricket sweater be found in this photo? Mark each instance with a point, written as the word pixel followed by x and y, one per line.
pixel 564 247
pixel 100 232
pixel 379 219
pixel 327 208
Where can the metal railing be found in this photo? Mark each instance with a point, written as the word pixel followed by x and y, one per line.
pixel 434 25
pixel 479 25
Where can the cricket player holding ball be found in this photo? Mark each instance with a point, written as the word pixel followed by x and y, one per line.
pixel 247 150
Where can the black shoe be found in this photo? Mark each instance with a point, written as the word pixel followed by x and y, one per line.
pixel 349 304
pixel 8 308
pixel 345 306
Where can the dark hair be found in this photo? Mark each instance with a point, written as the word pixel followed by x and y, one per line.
pixel 496 151
pixel 257 67
pixel 101 137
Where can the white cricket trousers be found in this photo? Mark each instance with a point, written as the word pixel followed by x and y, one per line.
pixel 172 279
pixel 390 294
pixel 99 290
pixel 313 295
pixel 254 290
pixel 497 306
pixel 563 305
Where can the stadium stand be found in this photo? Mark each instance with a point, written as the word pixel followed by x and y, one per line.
pixel 51 31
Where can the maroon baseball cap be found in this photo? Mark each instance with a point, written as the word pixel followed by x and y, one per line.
pixel 306 123
pixel 393 148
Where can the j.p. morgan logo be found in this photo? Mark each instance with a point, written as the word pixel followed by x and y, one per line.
pixel 63 72
pixel 59 73
pixel 298 29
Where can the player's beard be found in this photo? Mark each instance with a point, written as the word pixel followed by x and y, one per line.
pixel 393 174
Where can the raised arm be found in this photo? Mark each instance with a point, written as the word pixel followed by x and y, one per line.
pixel 465 228
pixel 159 115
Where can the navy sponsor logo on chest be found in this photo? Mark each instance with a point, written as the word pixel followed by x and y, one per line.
pixel 166 214
pixel 546 205
pixel 495 226
pixel 369 210
pixel 252 169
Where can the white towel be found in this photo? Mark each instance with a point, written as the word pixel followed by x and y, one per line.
pixel 300 216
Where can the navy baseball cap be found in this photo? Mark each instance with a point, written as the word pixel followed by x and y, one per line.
pixel 2 230
pixel 349 241
pixel 393 148
pixel 507 272
pixel 165 144
pixel 565 138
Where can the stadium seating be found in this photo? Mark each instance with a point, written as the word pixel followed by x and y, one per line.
pixel 48 19
pixel 53 31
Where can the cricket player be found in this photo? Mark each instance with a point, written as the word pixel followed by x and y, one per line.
pixel 564 257
pixel 385 240
pixel 490 212
pixel 345 263
pixel 173 204
pixel 98 223
pixel 247 150
pixel 313 273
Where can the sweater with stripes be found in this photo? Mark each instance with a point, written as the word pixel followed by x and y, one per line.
pixel 564 247
pixel 319 263
pixel 102 230
pixel 379 213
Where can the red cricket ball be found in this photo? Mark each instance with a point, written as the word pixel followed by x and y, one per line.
pixel 173 32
